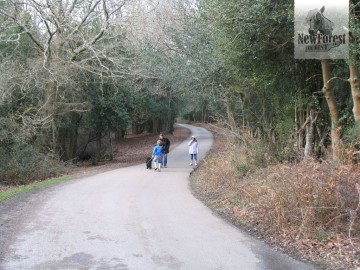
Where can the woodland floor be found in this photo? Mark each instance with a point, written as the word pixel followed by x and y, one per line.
pixel 133 150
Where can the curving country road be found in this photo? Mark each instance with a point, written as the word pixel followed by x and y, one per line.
pixel 130 218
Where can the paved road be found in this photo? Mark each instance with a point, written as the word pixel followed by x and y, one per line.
pixel 130 218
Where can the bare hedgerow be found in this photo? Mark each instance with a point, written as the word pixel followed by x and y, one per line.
pixel 310 207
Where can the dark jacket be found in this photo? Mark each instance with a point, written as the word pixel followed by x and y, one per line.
pixel 165 143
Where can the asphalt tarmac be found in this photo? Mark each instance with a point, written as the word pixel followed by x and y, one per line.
pixel 129 218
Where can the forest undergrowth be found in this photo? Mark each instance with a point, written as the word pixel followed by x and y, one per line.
pixel 308 209
pixel 132 150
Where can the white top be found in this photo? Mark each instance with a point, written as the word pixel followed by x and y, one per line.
pixel 193 147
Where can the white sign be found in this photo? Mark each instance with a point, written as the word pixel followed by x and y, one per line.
pixel 321 29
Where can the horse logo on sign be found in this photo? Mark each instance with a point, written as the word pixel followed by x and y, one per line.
pixel 318 23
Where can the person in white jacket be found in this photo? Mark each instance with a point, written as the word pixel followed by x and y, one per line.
pixel 193 150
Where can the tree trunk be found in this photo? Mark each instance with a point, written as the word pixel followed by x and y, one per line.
pixel 73 143
pixel 120 134
pixel 299 132
pixel 76 136
pixel 47 112
pixel 97 148
pixel 230 114
pixel 136 129
pixel 309 136
pixel 336 142
pixel 355 91
pixel 156 125
pixel 111 146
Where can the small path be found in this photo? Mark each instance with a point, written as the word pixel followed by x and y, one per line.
pixel 130 218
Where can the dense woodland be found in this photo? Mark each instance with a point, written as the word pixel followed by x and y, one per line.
pixel 75 76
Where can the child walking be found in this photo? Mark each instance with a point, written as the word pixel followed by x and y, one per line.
pixel 157 155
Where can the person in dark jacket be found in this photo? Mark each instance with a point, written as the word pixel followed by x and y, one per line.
pixel 165 143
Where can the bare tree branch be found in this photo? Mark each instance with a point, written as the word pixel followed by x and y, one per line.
pixel 84 19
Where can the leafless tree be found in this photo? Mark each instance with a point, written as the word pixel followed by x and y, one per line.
pixel 70 38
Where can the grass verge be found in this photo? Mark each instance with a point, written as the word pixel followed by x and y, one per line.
pixel 8 193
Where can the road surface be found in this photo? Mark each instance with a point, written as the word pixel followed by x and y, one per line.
pixel 129 218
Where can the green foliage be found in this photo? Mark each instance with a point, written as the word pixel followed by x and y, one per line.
pixel 247 75
pixel 8 193
pixel 230 61
pixel 21 162
pixel 109 108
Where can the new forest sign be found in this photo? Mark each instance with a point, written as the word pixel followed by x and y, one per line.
pixel 321 29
